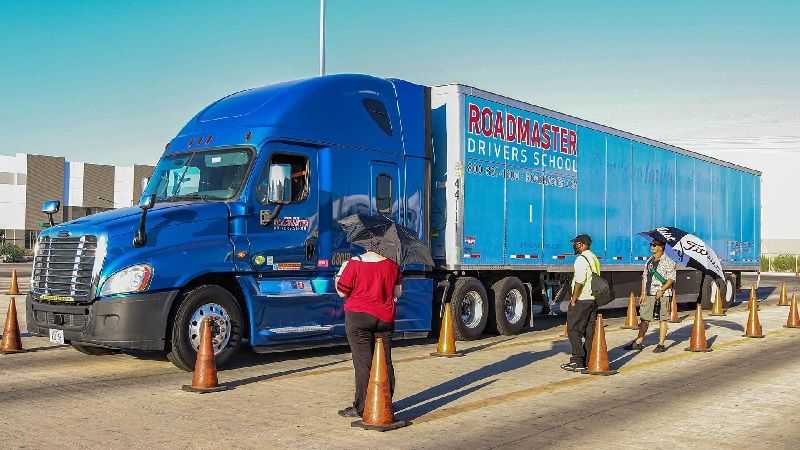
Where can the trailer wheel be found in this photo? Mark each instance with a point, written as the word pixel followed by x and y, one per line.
pixel 709 292
pixel 207 301
pixel 470 308
pixel 510 305
pixel 730 290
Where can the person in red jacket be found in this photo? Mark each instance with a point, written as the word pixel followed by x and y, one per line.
pixel 370 285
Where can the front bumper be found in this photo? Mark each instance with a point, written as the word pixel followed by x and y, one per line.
pixel 133 322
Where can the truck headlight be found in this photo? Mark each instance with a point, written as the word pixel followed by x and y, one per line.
pixel 131 279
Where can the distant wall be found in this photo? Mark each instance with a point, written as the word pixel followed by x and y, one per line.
pixel 780 246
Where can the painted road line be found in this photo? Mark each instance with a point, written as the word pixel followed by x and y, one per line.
pixel 570 382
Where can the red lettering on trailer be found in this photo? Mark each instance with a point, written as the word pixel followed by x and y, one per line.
pixel 546 136
pixel 474 118
pixel 573 142
pixel 523 131
pixel 499 132
pixel 505 126
pixel 486 122
pixel 511 127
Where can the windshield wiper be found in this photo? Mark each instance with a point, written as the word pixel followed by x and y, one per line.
pixel 192 196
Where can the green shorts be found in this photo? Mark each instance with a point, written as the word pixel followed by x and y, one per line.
pixel 646 308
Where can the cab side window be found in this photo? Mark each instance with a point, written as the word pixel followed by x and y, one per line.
pixel 383 194
pixel 299 178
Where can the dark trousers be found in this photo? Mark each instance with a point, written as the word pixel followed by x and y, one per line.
pixel 362 329
pixel 580 327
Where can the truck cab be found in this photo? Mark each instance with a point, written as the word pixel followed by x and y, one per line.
pixel 238 223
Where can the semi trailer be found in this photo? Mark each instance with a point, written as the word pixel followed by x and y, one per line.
pixel 238 222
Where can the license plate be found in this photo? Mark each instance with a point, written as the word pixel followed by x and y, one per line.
pixel 57 336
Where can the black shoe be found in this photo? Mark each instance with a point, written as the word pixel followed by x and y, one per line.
pixel 573 366
pixel 634 346
pixel 349 412
pixel 659 349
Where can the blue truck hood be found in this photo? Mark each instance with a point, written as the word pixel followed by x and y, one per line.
pixel 126 220
pixel 177 235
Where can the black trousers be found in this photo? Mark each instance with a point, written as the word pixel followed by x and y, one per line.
pixel 580 328
pixel 362 329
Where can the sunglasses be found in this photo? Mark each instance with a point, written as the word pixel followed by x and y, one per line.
pixel 653 244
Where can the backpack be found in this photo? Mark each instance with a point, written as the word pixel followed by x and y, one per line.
pixel 600 287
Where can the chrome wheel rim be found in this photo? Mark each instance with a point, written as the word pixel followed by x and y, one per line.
pixel 513 306
pixel 729 291
pixel 471 309
pixel 220 326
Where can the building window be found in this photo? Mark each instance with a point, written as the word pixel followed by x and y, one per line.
pixel 30 238
pixel 383 193
pixel 6 178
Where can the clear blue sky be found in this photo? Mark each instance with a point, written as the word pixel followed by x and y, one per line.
pixel 112 81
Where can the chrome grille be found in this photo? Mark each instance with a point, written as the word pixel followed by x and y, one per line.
pixel 63 267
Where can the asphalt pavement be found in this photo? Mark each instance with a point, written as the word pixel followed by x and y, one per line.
pixel 507 392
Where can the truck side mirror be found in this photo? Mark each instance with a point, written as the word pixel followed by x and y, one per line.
pixel 147 201
pixel 51 207
pixel 280 184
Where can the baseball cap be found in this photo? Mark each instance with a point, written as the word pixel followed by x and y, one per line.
pixel 583 239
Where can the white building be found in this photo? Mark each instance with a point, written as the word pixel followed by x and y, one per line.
pixel 26 181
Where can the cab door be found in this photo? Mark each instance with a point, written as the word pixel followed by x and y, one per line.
pixel 290 303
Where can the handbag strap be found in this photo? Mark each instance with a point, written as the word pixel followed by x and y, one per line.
pixel 654 273
pixel 591 268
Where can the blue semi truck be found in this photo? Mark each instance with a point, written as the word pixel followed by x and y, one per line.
pixel 238 222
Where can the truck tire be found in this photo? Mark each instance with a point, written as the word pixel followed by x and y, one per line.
pixel 707 291
pixel 205 301
pixel 510 306
pixel 94 350
pixel 470 308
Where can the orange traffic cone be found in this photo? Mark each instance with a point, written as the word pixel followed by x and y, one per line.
pixel 598 357
pixel 753 328
pixel 447 336
pixel 718 309
pixel 673 309
pixel 11 342
pixel 783 300
pixel 753 298
pixel 378 414
pixel 205 370
pixel 794 316
pixel 631 319
pixel 14 288
pixel 698 343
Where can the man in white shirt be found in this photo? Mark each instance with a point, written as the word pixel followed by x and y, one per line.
pixel 658 278
pixel 582 310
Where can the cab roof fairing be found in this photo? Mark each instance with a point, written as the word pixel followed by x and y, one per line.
pixel 324 110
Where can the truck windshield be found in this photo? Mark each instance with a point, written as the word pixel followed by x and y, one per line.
pixel 209 175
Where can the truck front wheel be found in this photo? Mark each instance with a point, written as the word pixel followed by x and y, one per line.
pixel 218 305
pixel 470 308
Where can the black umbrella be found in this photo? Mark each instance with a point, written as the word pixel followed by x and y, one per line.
pixel 687 249
pixel 386 238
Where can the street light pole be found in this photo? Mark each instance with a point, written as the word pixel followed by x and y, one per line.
pixel 321 37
